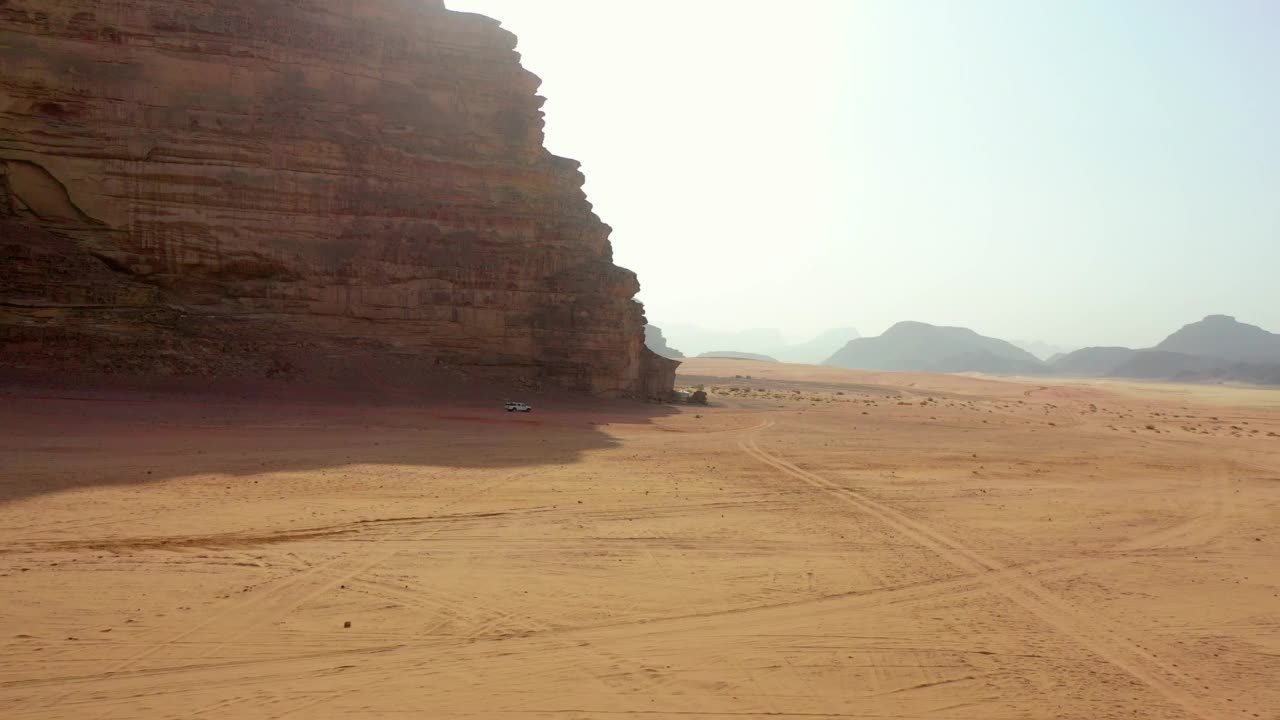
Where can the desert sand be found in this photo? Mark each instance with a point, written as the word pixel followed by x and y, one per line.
pixel 818 543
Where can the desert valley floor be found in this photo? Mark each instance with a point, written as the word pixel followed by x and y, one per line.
pixel 817 544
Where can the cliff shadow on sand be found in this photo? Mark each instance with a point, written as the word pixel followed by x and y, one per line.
pixel 66 441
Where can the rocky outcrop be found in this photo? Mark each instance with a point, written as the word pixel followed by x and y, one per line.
pixel 659 376
pixel 234 186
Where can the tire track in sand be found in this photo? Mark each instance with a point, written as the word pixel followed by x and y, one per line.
pixel 1108 642
pixel 287 596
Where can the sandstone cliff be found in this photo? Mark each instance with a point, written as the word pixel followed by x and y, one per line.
pixel 232 186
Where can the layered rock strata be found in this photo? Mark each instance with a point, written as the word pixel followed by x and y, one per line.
pixel 219 187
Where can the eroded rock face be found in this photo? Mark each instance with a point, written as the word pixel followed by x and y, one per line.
pixel 207 186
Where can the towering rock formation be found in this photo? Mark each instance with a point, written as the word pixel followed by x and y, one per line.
pixel 233 186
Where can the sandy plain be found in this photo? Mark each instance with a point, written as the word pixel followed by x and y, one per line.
pixel 817 544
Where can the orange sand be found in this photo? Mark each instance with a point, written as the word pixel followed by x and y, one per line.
pixel 851 550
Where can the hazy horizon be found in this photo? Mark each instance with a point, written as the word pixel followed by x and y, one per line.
pixel 1074 173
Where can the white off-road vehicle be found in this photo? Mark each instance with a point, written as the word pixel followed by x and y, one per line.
pixel 513 406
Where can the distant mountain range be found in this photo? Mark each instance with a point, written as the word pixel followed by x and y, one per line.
pixel 1224 337
pixel 1091 360
pixel 696 340
pixel 1216 349
pixel 729 354
pixel 818 349
pixel 654 340
pixel 1041 350
pixel 917 346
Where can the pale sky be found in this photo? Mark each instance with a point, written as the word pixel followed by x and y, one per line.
pixel 1081 172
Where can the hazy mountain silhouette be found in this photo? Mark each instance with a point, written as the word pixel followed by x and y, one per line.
pixel 1217 348
pixel 1042 350
pixel 734 355
pixel 917 346
pixel 1163 365
pixel 654 340
pixel 814 351
pixel 1222 336
pixel 1092 361
pixel 696 340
